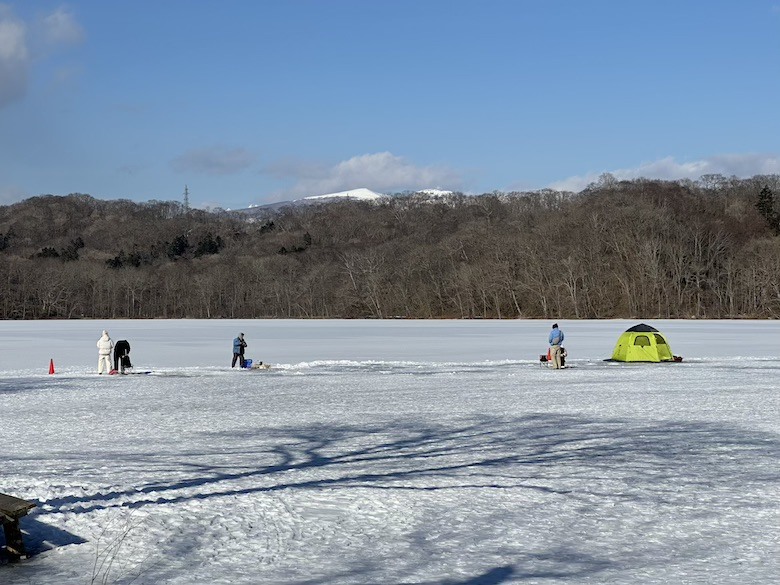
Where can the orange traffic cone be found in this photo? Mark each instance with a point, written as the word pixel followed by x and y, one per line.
pixel 51 366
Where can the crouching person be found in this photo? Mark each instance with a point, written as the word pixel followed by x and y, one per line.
pixel 122 356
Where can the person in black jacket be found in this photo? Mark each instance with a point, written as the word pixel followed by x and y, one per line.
pixel 122 356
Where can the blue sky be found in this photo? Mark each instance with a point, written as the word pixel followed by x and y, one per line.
pixel 253 101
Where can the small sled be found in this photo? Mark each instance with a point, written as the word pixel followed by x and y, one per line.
pixel 544 359
pixel 250 365
pixel 125 366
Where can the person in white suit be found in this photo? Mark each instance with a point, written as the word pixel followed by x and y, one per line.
pixel 104 345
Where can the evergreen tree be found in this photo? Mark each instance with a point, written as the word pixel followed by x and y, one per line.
pixel 766 207
pixel 178 247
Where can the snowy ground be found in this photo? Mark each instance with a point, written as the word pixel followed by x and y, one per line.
pixel 396 452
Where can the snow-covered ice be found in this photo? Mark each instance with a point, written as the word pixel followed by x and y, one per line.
pixel 392 452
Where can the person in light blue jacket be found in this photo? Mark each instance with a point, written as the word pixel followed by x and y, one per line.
pixel 238 351
pixel 555 339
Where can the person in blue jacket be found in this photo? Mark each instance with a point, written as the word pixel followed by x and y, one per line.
pixel 555 339
pixel 238 351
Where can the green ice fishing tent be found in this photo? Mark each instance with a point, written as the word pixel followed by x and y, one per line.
pixel 642 343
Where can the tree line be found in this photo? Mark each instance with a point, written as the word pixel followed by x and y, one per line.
pixel 619 249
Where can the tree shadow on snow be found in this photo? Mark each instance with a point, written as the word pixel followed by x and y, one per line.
pixel 582 459
pixel 483 452
pixel 491 577
pixel 20 385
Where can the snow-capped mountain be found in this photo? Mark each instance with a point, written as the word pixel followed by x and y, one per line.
pixel 361 194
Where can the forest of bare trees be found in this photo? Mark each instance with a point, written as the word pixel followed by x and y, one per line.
pixel 631 249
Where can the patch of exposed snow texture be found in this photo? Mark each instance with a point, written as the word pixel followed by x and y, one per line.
pixel 362 194
pixel 425 452
pixel 434 193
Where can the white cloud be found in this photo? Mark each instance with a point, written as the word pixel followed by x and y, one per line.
pixel 216 160
pixel 11 194
pixel 383 172
pixel 14 57
pixel 739 165
pixel 61 28
pixel 52 31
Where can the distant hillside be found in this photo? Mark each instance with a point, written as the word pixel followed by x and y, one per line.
pixel 635 249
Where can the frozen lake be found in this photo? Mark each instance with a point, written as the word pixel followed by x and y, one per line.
pixel 393 452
